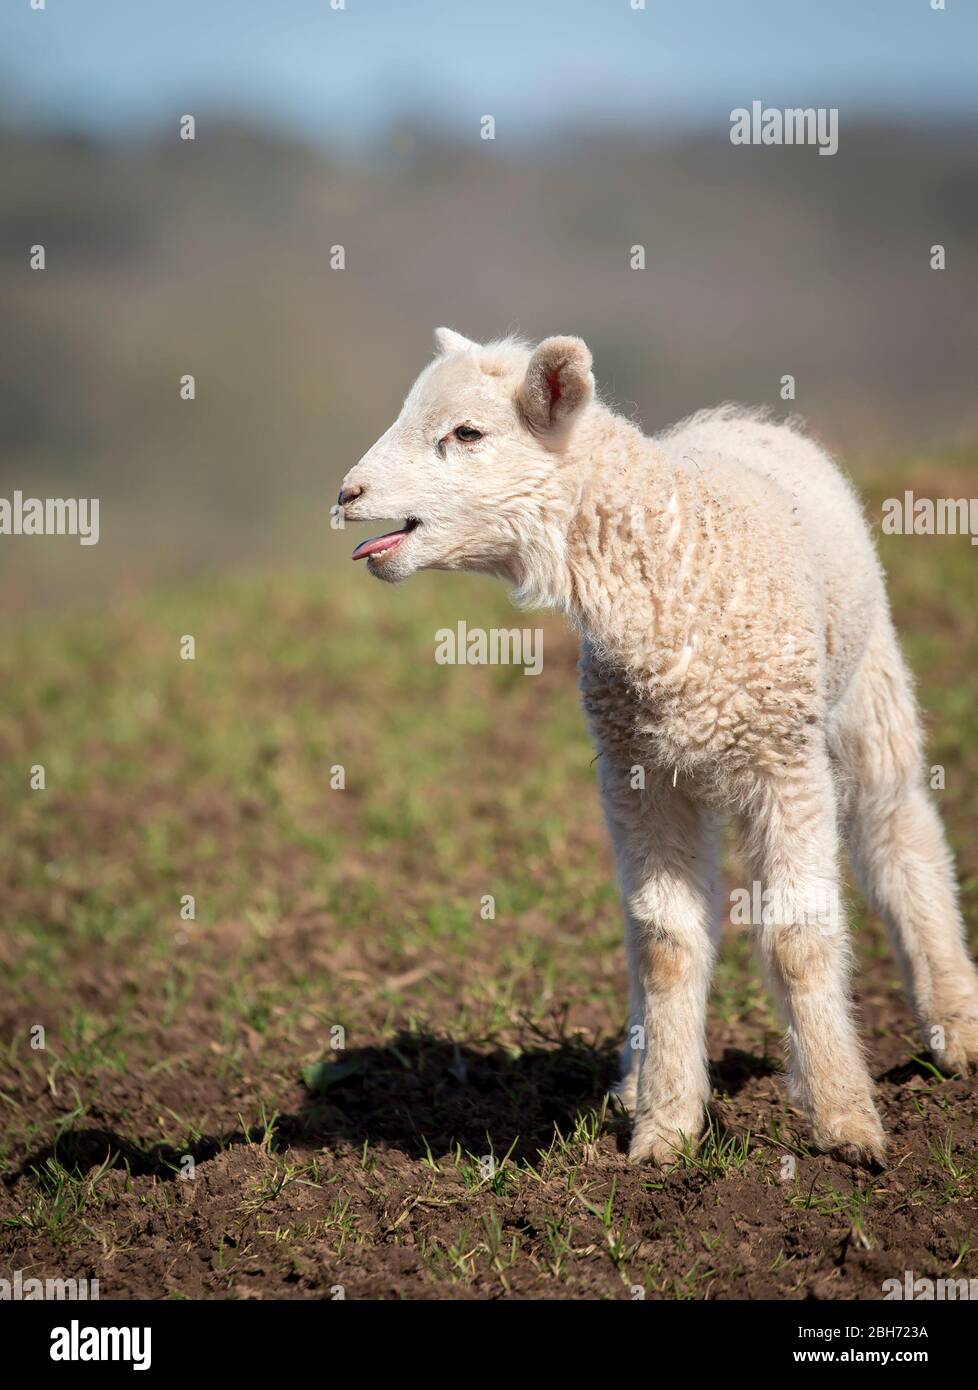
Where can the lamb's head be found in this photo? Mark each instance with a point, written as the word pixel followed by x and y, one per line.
pixel 475 458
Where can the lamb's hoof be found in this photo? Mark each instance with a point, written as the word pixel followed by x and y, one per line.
pixel 873 1160
pixel 958 1056
pixel 657 1151
pixel 654 1143
pixel 857 1140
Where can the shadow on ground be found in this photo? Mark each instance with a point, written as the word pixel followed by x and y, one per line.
pixel 419 1094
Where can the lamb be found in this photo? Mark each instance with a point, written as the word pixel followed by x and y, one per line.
pixel 738 660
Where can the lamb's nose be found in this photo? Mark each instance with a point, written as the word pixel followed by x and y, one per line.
pixel 349 494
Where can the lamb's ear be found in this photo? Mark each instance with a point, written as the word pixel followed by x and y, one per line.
pixel 558 383
pixel 447 340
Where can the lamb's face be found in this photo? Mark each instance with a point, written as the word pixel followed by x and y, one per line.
pixel 479 436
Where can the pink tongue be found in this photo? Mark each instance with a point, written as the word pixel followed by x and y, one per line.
pixel 378 544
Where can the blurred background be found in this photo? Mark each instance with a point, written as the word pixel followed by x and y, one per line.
pixel 360 126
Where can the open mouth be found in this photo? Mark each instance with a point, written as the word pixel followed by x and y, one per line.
pixel 382 545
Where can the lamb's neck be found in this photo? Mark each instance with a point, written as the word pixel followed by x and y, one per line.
pixel 609 467
pixel 539 568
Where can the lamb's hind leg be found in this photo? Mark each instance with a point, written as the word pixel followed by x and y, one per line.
pixel 791 843
pixel 899 855
pixel 667 866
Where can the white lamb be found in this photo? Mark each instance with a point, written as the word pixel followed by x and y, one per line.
pixel 737 657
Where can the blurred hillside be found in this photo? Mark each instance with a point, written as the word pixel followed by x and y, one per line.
pixel 212 258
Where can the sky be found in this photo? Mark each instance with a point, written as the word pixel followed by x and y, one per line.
pixel 344 76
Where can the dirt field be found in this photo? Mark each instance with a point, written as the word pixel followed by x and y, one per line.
pixel 457 1144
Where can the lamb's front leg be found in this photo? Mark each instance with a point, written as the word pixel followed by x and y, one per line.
pixel 666 849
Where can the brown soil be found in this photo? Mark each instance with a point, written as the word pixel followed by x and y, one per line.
pixel 749 1234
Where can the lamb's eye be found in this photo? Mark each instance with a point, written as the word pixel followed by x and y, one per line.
pixel 466 434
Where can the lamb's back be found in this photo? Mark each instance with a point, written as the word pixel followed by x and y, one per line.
pixel 809 517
